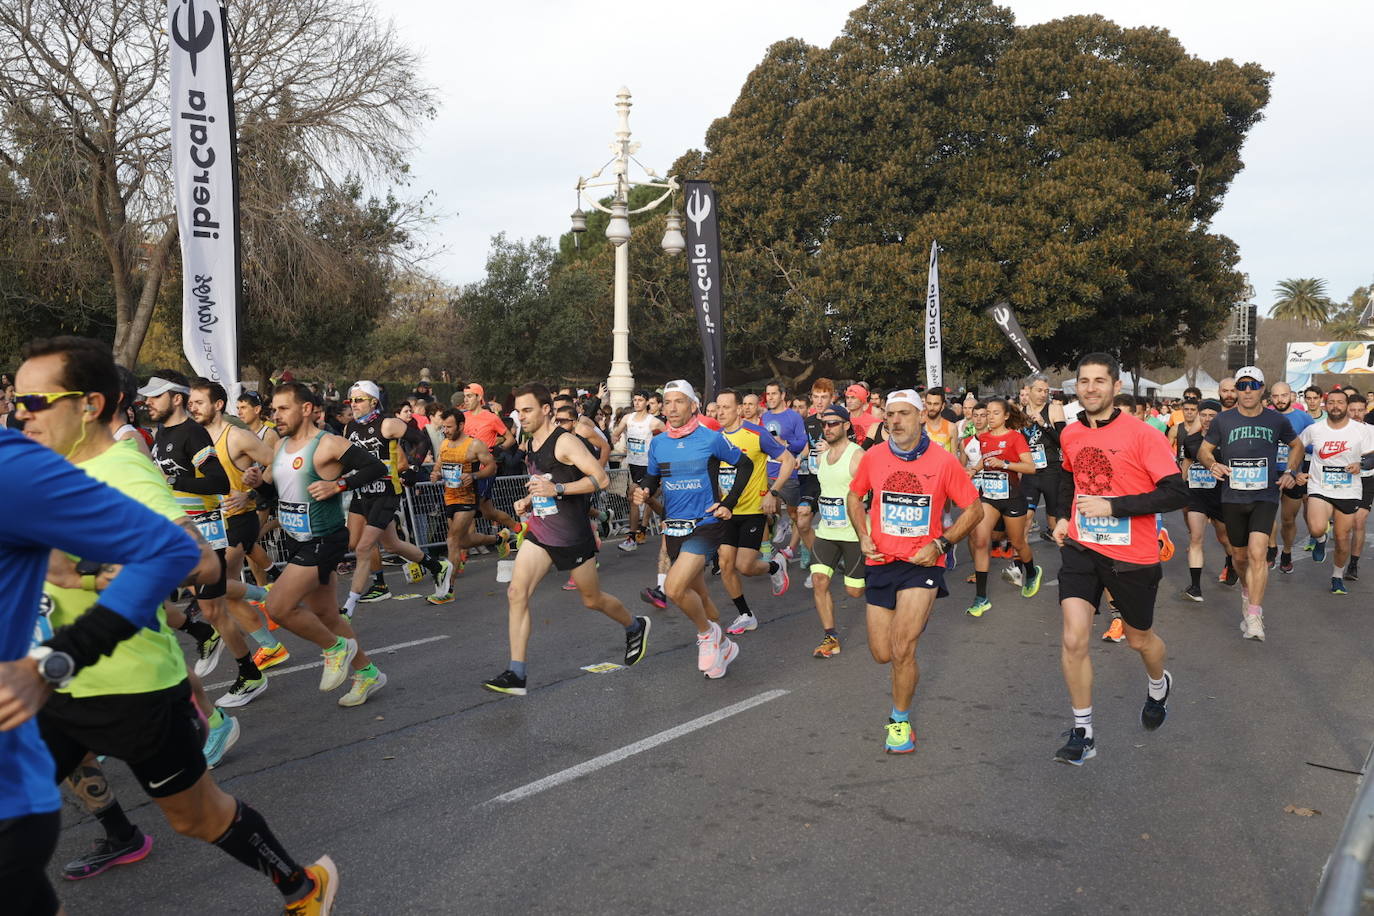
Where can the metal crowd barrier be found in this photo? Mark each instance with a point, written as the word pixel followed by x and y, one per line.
pixel 1344 886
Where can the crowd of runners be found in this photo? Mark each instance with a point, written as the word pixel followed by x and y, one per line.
pixel 164 533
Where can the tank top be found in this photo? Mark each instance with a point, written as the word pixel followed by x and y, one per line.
pixel 556 522
pixel 1043 440
pixel 834 524
pixel 302 516
pixel 236 484
pixel 638 434
pixel 368 436
pixel 454 460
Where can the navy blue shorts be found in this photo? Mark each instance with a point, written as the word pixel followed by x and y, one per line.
pixel 703 541
pixel 484 485
pixel 883 582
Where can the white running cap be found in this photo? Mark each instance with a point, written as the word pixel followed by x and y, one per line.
pixel 907 396
pixel 1251 372
pixel 682 386
pixel 368 388
pixel 158 385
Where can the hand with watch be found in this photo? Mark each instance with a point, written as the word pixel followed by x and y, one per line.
pixel 931 553
pixel 26 684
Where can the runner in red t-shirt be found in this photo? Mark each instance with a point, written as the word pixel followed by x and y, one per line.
pixel 1004 456
pixel 489 429
pixel 1119 473
pixel 902 538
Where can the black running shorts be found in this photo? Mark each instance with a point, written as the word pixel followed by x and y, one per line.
pixel 566 559
pixel 1007 508
pixel 323 553
pixel 452 509
pixel 638 472
pixel 1084 573
pixel 26 845
pixel 743 532
pixel 1343 506
pixel 810 492
pixel 1043 483
pixel 379 511
pixel 1245 519
pixel 243 530
pixel 1366 493
pixel 158 734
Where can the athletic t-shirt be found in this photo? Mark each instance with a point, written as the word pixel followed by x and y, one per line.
pixel 1249 447
pixel 754 441
pixel 1122 457
pixel 150 659
pixel 1333 450
pixel 185 452
pixel 1299 420
pixel 484 426
pixel 787 425
pixel 814 437
pixel 999 484
pixel 909 498
pixel 684 467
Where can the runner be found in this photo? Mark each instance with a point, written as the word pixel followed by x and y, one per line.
pixel 836 545
pixel 463 460
pixel 1334 488
pixel 822 396
pixel 1357 409
pixel 905 545
pixel 1295 497
pixel 1241 450
pixel 372 512
pixel 136 703
pixel 489 429
pixel 750 411
pixel 861 418
pixel 686 460
pixel 1204 497
pixel 311 471
pixel 787 427
pixel 743 530
pixel 563 475
pixel 250 411
pixel 1313 397
pixel 1042 433
pixel 1004 460
pixel 1108 533
pixel 639 428
pixel 237 450
pixel 1226 393
pixel 941 430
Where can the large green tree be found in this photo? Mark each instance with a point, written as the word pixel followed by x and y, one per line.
pixel 1303 299
pixel 1072 168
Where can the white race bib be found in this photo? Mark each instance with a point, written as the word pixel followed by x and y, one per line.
pixel 1283 453
pixel 727 480
pixel 638 446
pixel 211 527
pixel 1199 478
pixel 294 519
pixel 1110 530
pixel 453 475
pixel 994 485
pixel 1337 477
pixel 544 506
pixel 1038 456
pixel 1249 473
pixel 904 515
pixel 833 512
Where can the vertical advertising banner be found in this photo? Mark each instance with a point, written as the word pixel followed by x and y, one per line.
pixel 935 370
pixel 704 274
pixel 205 184
pixel 1005 318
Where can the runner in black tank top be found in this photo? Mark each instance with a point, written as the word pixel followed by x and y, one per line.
pixel 1204 494
pixel 563 476
pixel 1042 434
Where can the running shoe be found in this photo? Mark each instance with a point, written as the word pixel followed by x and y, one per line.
pixel 218 742
pixel 829 647
pixel 1338 586
pixel 1286 566
pixel 570 585
pixel 1310 545
pixel 979 607
pixel 242 693
pixel 1030 588
pixel 787 552
pixel 1153 712
pixel 1078 750
pixel 640 536
pixel 654 595
pixel 973 578
pixel 376 593
pixel 1228 576
pixel 804 557
pixel 1193 593
pixel 1116 632
pixel 439 599
pixel 270 658
pixel 363 687
pixel 1252 627
pixel 503 543
pixel 728 650
pixel 715 562
pixel 743 624
pixel 1352 569
pixel 506 682
pixel 1011 575
pixel 807 582
pixel 520 533
pixel 320 901
pixel 782 529
pixel 637 643
pixel 106 854
pixel 780 580
pixel 900 740
pixel 952 557
pixel 207 654
pixel 443 579
pixel 1319 551
pixel 1166 546
pixel 336 664
pixel 708 647
pixel 629 545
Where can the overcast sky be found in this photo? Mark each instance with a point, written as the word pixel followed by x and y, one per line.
pixel 528 89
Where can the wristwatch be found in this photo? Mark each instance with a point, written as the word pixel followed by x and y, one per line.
pixel 57 668
pixel 558 490
pixel 942 544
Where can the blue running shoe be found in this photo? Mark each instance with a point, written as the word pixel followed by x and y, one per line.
pixel 1319 551
pixel 220 740
pixel 1338 586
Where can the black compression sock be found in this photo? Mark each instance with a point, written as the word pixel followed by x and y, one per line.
pixel 981 586
pixel 247 670
pixel 1286 558
pixel 273 574
pixel 833 632
pixel 199 630
pixel 1273 552
pixel 1027 569
pixel 118 829
pixel 1229 564
pixel 250 840
pixel 742 605
pixel 772 567
pixel 378 579
pixel 1195 573
pixel 430 564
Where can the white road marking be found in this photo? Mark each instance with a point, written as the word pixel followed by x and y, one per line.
pixel 277 672
pixel 629 750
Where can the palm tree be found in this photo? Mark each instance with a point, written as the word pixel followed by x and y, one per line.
pixel 1302 300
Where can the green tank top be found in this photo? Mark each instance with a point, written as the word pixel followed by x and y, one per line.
pixel 835 478
pixel 302 516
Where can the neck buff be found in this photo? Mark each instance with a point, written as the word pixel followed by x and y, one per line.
pixel 369 416
pixel 685 429
pixel 921 445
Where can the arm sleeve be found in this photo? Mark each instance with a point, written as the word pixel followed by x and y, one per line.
pixel 1065 495
pixel 1170 493
pixel 360 467
pixel 214 482
pixel 62 507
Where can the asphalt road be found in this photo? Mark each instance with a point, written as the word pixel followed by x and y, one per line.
pixel 768 791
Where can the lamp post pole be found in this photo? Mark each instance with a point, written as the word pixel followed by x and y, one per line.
pixel 620 383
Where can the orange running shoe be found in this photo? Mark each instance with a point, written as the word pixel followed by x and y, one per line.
pixel 320 901
pixel 271 658
pixel 1166 546
pixel 1116 632
pixel 830 646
